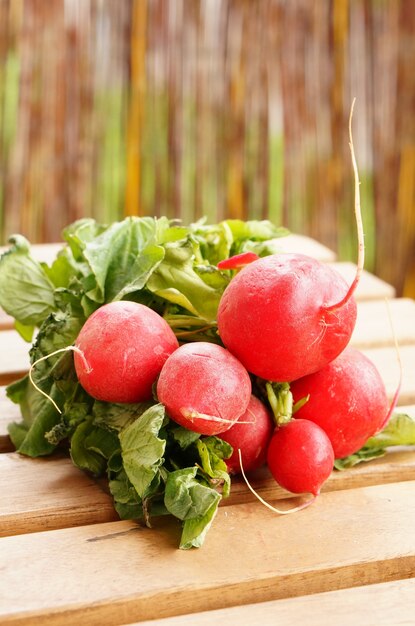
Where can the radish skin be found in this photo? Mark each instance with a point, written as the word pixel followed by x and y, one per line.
pixel 120 351
pixel 347 399
pixel 250 435
pixel 204 387
pixel 300 457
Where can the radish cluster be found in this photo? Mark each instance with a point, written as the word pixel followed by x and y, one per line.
pixel 285 318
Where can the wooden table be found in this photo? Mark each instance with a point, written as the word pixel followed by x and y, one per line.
pixel 349 558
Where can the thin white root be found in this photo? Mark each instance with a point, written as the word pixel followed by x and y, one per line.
pixel 267 504
pixel 192 415
pixel 395 397
pixel 359 224
pixel 43 358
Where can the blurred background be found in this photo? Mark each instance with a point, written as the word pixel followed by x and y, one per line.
pixel 216 108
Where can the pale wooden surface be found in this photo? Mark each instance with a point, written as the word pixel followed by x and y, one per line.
pixel 386 361
pixel 374 327
pixel 306 245
pixel 42 252
pixel 370 287
pixel 64 561
pixel 41 494
pixel 123 572
pixel 383 604
pixel 14 360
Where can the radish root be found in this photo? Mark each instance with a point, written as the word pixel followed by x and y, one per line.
pixel 359 224
pixel 192 414
pixel 267 504
pixel 43 358
pixel 399 385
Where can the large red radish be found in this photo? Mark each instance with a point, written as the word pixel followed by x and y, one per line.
pixel 251 435
pixel 204 387
pixel 120 351
pixel 288 315
pixel 300 456
pixel 347 399
pixel 274 316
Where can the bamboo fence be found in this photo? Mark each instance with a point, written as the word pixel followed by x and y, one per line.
pixel 216 108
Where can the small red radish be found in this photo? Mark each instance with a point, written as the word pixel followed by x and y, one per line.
pixel 251 435
pixel 300 456
pixel 288 315
pixel 204 387
pixel 122 348
pixel 347 400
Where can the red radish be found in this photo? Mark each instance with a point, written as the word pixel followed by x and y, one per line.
pixel 288 315
pixel 204 387
pixel 123 346
pixel 300 456
pixel 347 400
pixel 275 316
pixel 251 435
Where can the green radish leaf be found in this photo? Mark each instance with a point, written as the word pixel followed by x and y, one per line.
pixel 185 497
pixel 82 455
pixel 399 431
pixel 117 416
pixel 121 258
pixel 212 451
pixel 142 450
pixel 176 281
pixel 195 529
pixel 26 293
pixel 364 454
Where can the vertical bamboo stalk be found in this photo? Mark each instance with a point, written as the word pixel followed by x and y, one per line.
pixel 136 107
pixel 237 93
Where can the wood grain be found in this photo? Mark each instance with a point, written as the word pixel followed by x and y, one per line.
pixel 383 604
pixel 47 493
pixel 119 572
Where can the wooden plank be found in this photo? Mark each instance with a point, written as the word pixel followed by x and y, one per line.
pixel 42 252
pixel 14 356
pixel 50 493
pixel 120 572
pixel 383 604
pixel 374 328
pixel 46 493
pixel 370 286
pixel 306 245
pixel 386 361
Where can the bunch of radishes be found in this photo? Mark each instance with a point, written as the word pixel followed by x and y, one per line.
pixel 283 318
